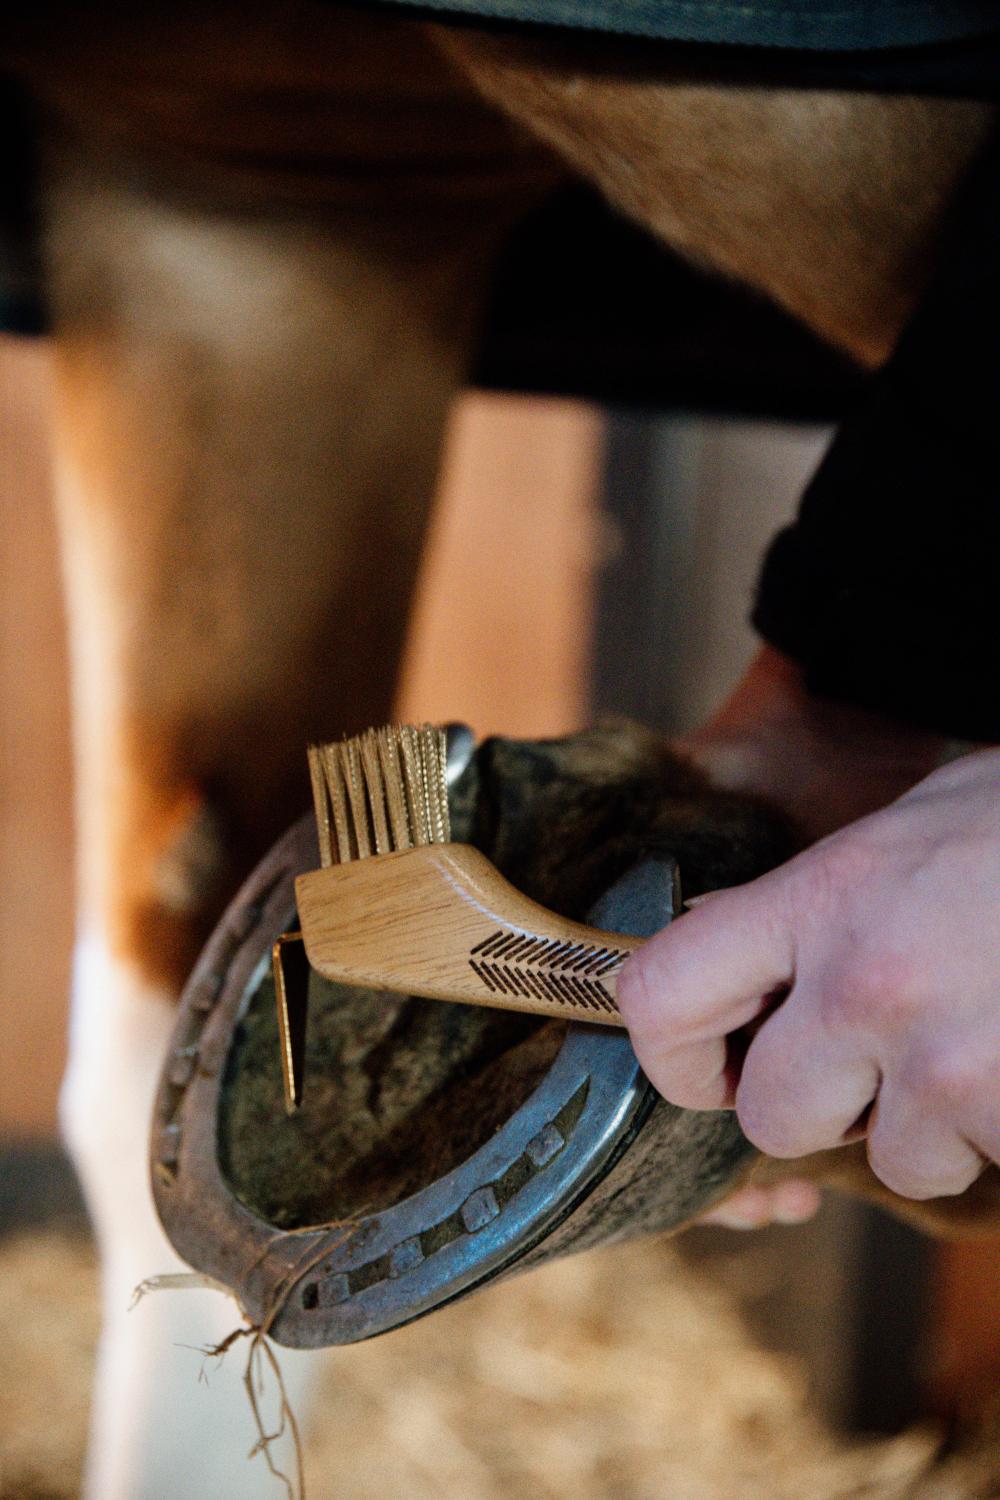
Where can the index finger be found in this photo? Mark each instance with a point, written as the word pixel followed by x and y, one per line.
pixel 704 976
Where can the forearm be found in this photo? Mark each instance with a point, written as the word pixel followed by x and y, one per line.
pixel 825 762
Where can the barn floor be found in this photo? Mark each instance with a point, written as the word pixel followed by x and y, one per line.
pixel 625 1375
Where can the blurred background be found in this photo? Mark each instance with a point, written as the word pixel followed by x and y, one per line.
pixel 586 557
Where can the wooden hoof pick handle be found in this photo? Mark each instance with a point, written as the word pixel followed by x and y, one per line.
pixel 442 922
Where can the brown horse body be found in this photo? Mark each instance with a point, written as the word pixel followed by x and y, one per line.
pixel 268 237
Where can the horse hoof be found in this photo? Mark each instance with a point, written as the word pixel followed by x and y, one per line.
pixel 440 1146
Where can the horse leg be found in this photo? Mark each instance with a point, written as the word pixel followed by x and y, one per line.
pixel 828 202
pixel 249 414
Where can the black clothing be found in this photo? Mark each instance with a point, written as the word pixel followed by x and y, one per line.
pixel 887 587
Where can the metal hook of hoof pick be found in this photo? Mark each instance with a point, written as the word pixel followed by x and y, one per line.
pixel 291 987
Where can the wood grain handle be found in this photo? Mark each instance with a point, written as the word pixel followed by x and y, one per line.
pixel 440 921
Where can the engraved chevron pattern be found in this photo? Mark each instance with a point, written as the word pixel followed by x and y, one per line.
pixel 513 963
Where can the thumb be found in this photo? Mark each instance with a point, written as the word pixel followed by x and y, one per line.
pixel 704 976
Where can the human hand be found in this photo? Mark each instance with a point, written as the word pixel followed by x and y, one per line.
pixel 825 763
pixel 862 979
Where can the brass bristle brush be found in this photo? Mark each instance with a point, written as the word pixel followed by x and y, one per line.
pixel 397 906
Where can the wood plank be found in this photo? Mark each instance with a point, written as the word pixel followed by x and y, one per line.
pixel 36 837
pixel 502 625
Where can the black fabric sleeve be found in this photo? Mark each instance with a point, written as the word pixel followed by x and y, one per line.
pixel 887 587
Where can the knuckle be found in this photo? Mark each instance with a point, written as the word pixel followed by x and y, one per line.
pixel 636 993
pixel 765 1128
pixel 833 871
pixel 844 1005
pixel 686 1095
pixel 874 992
pixel 909 1182
pixel 690 1077
pixel 943 1078
pixel 894 1165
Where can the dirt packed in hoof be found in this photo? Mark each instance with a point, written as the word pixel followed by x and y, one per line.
pixel 624 1375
